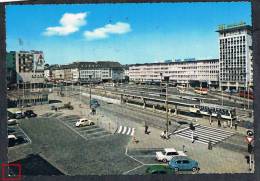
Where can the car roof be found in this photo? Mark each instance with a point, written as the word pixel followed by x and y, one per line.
pixel 169 150
pixel 83 119
pixel 11 136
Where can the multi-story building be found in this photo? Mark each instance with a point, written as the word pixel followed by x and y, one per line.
pixel 87 71
pixel 58 73
pixel 235 56
pixel 96 71
pixel 183 72
pixel 30 67
pixel 10 68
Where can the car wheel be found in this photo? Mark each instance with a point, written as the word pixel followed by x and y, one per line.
pixel 91 123
pixel 164 160
pixel 194 169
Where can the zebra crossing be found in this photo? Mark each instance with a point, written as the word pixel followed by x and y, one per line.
pixel 204 134
pixel 125 130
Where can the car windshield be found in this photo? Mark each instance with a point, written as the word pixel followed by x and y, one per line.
pixel 163 152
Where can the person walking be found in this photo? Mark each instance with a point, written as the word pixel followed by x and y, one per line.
pixel 236 125
pixel 145 128
pixel 219 124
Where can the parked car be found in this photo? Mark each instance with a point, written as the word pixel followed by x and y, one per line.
pixel 84 122
pixel 12 121
pixel 13 140
pixel 30 113
pixel 159 169
pixel 10 130
pixel 184 164
pixel 19 115
pixel 168 154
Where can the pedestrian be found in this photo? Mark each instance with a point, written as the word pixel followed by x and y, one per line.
pixel 210 145
pixel 145 128
pixel 183 148
pixel 219 123
pixel 224 124
pixel 235 125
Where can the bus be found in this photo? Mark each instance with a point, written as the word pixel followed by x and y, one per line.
pixel 203 91
pixel 218 111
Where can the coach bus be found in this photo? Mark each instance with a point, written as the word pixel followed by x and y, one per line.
pixel 218 111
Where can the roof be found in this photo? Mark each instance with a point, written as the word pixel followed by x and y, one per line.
pixel 169 149
pixel 216 106
pixel 175 63
pixel 234 28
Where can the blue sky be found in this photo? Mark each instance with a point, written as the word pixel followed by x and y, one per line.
pixel 128 33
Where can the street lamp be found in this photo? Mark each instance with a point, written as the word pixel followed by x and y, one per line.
pixel 90 76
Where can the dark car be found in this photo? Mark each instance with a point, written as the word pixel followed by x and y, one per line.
pixel 29 114
pixel 10 130
pixel 160 169
pixel 13 140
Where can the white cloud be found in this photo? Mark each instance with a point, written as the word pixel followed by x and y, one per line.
pixel 69 22
pixel 104 32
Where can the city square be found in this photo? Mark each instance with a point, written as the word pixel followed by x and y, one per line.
pixel 110 116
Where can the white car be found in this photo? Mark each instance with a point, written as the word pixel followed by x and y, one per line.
pixel 168 154
pixel 12 121
pixel 84 122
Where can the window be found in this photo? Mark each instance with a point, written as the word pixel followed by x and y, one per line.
pixel 186 161
pixel 178 162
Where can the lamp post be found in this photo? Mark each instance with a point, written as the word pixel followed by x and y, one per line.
pixel 90 76
pixel 166 106
pixel 161 82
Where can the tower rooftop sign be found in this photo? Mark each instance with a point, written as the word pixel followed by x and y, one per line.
pixel 224 27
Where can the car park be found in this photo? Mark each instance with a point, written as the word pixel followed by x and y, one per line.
pixel 159 169
pixel 30 113
pixel 84 122
pixel 184 164
pixel 168 154
pixel 12 121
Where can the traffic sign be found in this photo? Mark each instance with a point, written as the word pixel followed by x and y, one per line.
pixel 250 133
pixel 249 139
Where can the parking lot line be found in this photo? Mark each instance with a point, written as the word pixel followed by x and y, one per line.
pixel 30 141
pixel 73 130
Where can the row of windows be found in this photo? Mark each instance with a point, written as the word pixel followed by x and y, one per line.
pixel 231 39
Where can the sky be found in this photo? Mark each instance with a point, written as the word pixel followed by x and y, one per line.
pixel 127 33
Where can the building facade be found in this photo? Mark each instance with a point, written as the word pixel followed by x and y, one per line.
pixel 182 72
pixel 29 67
pixel 10 68
pixel 235 56
pixel 88 71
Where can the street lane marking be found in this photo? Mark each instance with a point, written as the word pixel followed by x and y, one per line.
pixel 133 131
pixel 125 128
pixel 119 130
pixel 129 130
